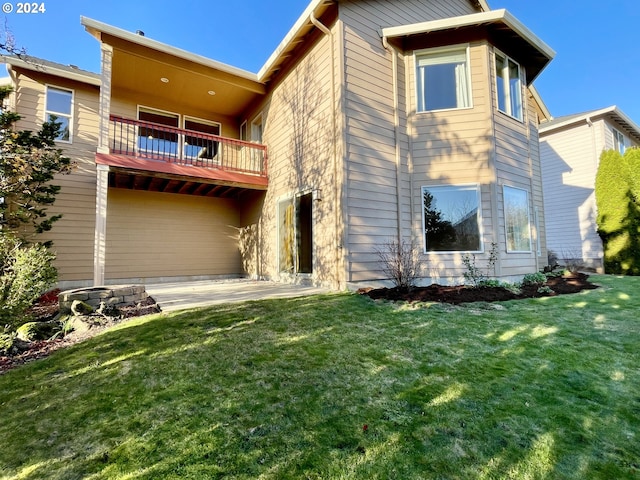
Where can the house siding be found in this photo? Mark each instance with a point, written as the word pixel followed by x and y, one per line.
pixel 154 235
pixel 299 131
pixel 370 156
pixel 570 156
pixel 73 234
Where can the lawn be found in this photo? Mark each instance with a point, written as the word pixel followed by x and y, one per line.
pixel 340 387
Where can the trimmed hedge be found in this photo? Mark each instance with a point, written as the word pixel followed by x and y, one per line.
pixel 618 202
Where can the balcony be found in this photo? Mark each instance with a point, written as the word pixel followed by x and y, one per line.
pixel 139 148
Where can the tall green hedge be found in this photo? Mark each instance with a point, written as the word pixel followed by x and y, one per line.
pixel 618 203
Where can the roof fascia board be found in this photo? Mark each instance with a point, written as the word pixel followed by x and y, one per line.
pixel 612 111
pixel 289 37
pixel 52 70
pixel 543 106
pixel 501 15
pixel 95 28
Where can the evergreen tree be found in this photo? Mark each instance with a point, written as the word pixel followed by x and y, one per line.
pixel 28 164
pixel 618 203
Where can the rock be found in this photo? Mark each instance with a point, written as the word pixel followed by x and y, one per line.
pixel 37 331
pixel 77 325
pixel 78 308
pixel 108 310
pixel 10 344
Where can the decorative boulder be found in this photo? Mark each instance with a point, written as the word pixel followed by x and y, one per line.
pixel 78 308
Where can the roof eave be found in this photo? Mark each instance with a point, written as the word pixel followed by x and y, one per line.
pixel 612 112
pixel 33 65
pixel 471 20
pixel 96 29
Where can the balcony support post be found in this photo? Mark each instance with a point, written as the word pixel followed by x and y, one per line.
pixel 100 238
pixel 105 97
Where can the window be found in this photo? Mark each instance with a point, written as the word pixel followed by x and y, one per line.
pixel 508 86
pixel 59 107
pixel 451 218
pixel 159 137
pixel 618 141
pixel 442 79
pixel 516 219
pixel 200 147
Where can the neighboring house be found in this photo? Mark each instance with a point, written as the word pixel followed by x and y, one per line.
pixel 570 149
pixel 367 110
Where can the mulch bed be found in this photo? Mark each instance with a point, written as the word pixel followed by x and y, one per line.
pixel 457 294
pixel 46 308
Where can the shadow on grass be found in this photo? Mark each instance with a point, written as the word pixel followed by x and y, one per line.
pixel 338 386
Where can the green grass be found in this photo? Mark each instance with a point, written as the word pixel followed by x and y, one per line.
pixel 534 389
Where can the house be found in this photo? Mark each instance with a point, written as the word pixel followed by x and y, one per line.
pixel 192 169
pixel 570 149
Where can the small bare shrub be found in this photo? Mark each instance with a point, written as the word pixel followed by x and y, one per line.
pixel 400 262
pixel 572 259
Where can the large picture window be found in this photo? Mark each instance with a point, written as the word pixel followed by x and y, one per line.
pixel 59 108
pixel 451 218
pixel 443 79
pixel 516 219
pixel 508 86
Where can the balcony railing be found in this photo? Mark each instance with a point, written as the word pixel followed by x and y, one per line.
pixel 152 141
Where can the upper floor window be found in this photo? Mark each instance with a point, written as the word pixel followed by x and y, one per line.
pixel 59 108
pixel 618 141
pixel 451 218
pixel 442 79
pixel 508 86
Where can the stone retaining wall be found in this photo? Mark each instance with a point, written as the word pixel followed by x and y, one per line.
pixel 118 296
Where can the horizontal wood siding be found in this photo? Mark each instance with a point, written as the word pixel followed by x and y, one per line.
pixel 569 165
pixel 453 147
pixel 300 132
pixel 73 235
pixel 372 188
pixel 517 165
pixel 154 235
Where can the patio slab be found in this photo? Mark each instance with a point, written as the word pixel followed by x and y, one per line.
pixel 184 295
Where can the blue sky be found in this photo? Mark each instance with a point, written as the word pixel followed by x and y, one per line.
pixel 597 62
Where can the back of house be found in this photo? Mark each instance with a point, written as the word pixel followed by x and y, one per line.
pixel 372 122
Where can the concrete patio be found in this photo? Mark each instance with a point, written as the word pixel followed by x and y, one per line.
pixel 183 295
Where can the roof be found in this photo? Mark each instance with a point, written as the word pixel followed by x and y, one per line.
pixel 613 113
pixel 500 23
pixel 35 64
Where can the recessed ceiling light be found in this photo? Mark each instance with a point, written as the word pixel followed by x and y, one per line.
pixel 211 92
pixel 164 80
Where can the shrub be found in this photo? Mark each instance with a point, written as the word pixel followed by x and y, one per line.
pixel 26 271
pixel 474 275
pixel 400 262
pixel 537 278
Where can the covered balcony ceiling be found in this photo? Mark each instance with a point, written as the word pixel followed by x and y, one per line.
pixel 148 73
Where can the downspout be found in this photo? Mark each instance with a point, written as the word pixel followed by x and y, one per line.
pixel 396 126
pixel 334 129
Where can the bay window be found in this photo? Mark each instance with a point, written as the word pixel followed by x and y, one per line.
pixel 516 219
pixel 508 86
pixel 451 218
pixel 442 79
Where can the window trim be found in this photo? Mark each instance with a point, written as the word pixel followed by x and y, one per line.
pixel 468 186
pixel 507 58
pixel 70 116
pixel 506 231
pixel 434 51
